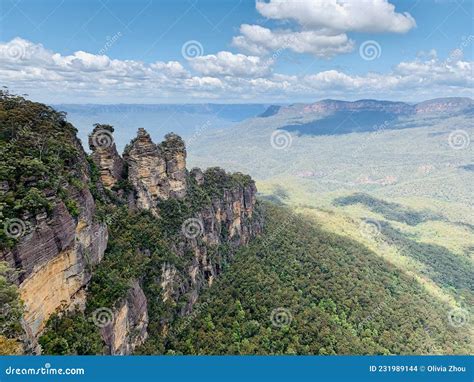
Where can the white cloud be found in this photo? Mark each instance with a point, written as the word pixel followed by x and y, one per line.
pixel 259 40
pixel 171 68
pixel 340 15
pixel 322 25
pixel 229 64
pixel 84 77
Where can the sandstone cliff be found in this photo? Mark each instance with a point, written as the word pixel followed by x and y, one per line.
pixel 128 328
pixel 56 246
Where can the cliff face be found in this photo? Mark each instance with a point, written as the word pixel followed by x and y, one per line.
pixel 56 249
pixel 128 328
pixel 229 220
pixel 438 105
pixel 443 105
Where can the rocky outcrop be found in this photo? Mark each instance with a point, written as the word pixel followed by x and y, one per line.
pixel 128 328
pixel 105 155
pixel 156 171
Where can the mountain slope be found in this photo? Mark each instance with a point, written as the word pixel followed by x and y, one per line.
pixel 301 290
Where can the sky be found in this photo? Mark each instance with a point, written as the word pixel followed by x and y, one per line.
pixel 236 51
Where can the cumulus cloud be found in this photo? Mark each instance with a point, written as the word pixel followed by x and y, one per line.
pixel 418 75
pixel 229 64
pixel 84 77
pixel 322 25
pixel 259 40
pixel 340 15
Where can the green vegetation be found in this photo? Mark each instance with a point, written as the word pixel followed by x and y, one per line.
pixel 135 241
pixel 11 311
pixel 216 180
pixel 71 333
pixel 38 156
pixel 297 289
pixel 337 298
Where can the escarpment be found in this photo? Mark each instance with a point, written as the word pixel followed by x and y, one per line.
pixel 128 327
pixel 137 236
pixel 50 236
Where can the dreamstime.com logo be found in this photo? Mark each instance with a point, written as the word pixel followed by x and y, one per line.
pixel 192 49
pixel 192 228
pixel 102 317
pixel 15 228
pixel 45 370
pixel 102 138
pixel 458 317
pixel 15 50
pixel 281 317
pixel 370 50
pixel 459 140
pixel 370 228
pixel 281 139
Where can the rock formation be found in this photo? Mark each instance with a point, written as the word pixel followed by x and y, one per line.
pixel 156 171
pixel 105 155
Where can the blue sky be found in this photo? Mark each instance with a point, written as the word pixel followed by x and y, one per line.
pixel 241 51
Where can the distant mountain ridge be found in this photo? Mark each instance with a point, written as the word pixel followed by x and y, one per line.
pixel 232 112
pixel 437 105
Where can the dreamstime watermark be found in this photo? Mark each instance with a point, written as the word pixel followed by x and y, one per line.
pixel 16 50
pixel 459 140
pixel 102 317
pixel 458 317
pixel 370 228
pixel 110 41
pixel 281 140
pixel 287 43
pixel 457 53
pixel 192 49
pixel 15 228
pixel 281 317
pixel 281 228
pixel 198 131
pixel 188 319
pixel 376 130
pixel 102 138
pixel 192 228
pixel 45 370
pixel 370 50
pixel 374 313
